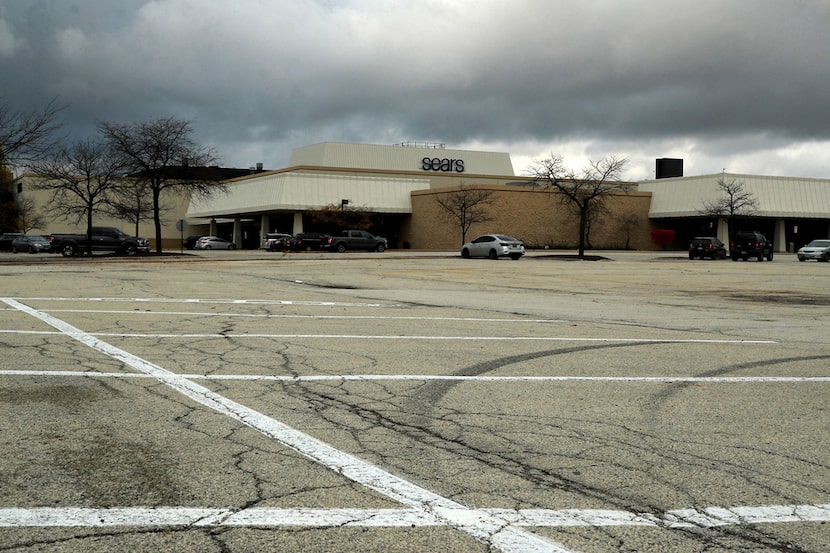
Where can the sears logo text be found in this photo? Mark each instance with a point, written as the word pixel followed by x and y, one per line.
pixel 444 165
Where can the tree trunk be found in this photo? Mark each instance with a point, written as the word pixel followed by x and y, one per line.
pixel 89 230
pixel 157 218
pixel 583 223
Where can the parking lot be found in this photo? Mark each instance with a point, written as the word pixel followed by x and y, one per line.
pixel 414 402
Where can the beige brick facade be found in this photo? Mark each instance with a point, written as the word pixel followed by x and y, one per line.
pixel 535 216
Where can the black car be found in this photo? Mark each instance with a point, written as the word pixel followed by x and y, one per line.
pixel 748 244
pixel 707 246
pixel 190 242
pixel 6 240
pixel 308 241
pixel 276 242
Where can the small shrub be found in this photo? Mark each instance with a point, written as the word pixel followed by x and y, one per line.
pixel 662 237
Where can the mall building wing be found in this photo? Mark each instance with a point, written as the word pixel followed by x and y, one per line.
pixel 400 185
pixel 790 211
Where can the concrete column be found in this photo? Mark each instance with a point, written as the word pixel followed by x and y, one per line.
pixel 298 223
pixel 263 227
pixel 212 230
pixel 723 232
pixel 779 241
pixel 237 232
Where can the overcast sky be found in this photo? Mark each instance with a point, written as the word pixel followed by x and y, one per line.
pixel 735 85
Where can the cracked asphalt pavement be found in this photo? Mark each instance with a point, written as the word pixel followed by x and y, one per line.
pixel 404 402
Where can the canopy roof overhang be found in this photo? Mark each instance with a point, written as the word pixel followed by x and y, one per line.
pixel 776 197
pixel 294 191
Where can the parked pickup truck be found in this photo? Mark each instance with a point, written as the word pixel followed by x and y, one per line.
pixel 750 244
pixel 103 239
pixel 357 240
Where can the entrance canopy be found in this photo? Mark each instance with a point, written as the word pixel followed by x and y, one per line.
pixel 295 191
pixel 777 197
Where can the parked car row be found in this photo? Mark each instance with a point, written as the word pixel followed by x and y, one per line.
pixel 747 244
pixel 744 245
pixel 305 241
pixel 753 245
pixel 101 239
pixel 318 241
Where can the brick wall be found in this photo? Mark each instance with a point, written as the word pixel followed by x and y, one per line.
pixel 535 216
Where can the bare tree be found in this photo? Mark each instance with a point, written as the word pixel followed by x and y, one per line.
pixel 336 217
pixel 734 202
pixel 163 154
pixel 82 178
pixel 9 211
pixel 466 207
pixel 131 202
pixel 584 191
pixel 629 223
pixel 595 214
pixel 27 136
pixel 28 216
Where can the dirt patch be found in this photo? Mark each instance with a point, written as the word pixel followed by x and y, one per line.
pixel 790 299
pixel 571 257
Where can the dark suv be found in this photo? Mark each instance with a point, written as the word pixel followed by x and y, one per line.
pixel 751 244
pixel 707 246
pixel 308 241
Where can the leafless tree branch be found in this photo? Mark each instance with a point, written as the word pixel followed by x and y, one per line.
pixel 82 178
pixel 28 136
pixel 466 207
pixel 583 191
pixel 163 154
pixel 733 202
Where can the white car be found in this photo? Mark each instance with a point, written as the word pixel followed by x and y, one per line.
pixel 214 243
pixel 494 246
pixel 817 249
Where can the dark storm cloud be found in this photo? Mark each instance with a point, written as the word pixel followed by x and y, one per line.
pixel 737 84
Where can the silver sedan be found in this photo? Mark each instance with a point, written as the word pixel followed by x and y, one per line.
pixel 817 249
pixel 494 246
pixel 214 243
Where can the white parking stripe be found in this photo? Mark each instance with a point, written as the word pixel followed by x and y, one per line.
pixel 315 317
pixel 389 518
pixel 219 301
pixel 424 377
pixel 507 538
pixel 406 337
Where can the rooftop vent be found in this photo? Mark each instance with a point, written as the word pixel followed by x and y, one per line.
pixel 415 144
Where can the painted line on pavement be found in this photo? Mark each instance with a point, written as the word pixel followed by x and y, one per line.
pixel 423 377
pixel 489 529
pixel 401 337
pixel 389 518
pixel 219 301
pixel 315 317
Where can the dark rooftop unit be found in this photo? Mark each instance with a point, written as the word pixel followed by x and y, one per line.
pixel 669 167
